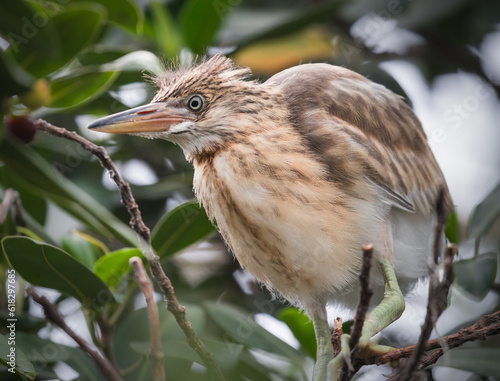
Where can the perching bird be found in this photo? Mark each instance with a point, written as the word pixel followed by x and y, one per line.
pixel 299 172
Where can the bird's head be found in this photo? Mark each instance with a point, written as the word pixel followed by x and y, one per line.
pixel 202 109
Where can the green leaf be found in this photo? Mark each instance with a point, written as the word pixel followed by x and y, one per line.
pixel 15 79
pixel 240 327
pixel 75 90
pixel 70 31
pixel 28 30
pixel 32 203
pixel 452 230
pixel 26 322
pixel 165 31
pixel 113 266
pixel 135 329
pixel 179 228
pixel 116 59
pixel 476 276
pixel 43 353
pixel 301 326
pixel 81 363
pixel 226 354
pixel 97 55
pixel 139 60
pixel 200 20
pixel 31 170
pixel 48 266
pixel 485 214
pixel 479 360
pixel 21 364
pixel 123 13
pixel 81 249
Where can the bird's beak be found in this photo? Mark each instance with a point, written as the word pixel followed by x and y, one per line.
pixel 153 117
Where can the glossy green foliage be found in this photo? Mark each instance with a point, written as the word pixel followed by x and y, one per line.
pixel 210 14
pixel 81 249
pixel 301 326
pixel 180 228
pixel 476 276
pixel 485 214
pixel 29 168
pixel 72 91
pixel 48 266
pixel 15 359
pixel 113 266
pixel 93 55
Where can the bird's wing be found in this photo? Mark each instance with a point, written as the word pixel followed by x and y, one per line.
pixel 361 130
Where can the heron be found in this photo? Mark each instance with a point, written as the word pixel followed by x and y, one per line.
pixel 299 172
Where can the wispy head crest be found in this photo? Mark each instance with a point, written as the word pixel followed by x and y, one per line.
pixel 178 81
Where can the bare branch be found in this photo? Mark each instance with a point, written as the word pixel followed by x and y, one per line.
pixel 488 325
pixel 179 313
pixel 107 368
pixel 138 225
pixel 336 336
pixel 156 353
pixel 12 200
pixel 100 153
pixel 441 223
pixel 438 293
pixel 365 294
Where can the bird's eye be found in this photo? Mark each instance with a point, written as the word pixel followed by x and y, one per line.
pixel 195 102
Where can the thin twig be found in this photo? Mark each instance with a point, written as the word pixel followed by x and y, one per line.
pixel 336 336
pixel 440 225
pixel 12 200
pixel 365 295
pixel 438 292
pixel 107 368
pixel 179 313
pixel 138 225
pixel 156 353
pixel 488 325
pixel 127 199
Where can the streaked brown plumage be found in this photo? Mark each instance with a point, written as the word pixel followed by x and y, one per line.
pixel 300 171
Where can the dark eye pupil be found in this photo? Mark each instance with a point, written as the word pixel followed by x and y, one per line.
pixel 195 103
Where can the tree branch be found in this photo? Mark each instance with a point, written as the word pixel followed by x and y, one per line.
pixel 438 292
pixel 12 200
pixel 488 325
pixel 156 353
pixel 336 336
pixel 365 294
pixel 127 199
pixel 107 368
pixel 138 225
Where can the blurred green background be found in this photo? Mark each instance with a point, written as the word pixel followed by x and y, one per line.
pixel 70 62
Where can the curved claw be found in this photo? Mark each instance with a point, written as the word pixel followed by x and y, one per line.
pixel 390 309
pixel 370 349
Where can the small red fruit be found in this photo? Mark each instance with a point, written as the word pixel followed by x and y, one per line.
pixel 21 127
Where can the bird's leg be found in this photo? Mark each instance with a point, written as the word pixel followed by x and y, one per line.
pixel 324 351
pixel 388 311
pixel 392 305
